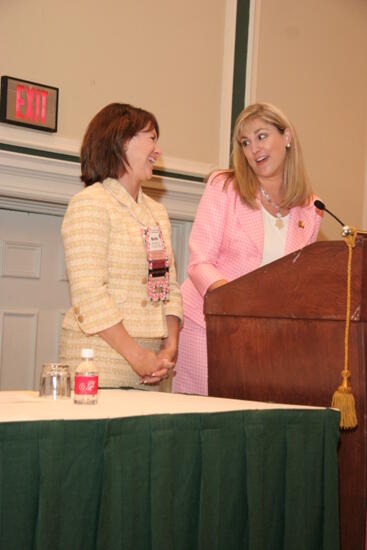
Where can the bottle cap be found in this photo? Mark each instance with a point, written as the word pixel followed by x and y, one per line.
pixel 87 353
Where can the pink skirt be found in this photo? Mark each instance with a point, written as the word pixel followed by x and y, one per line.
pixel 192 362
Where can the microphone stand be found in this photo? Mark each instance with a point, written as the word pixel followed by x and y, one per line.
pixel 349 231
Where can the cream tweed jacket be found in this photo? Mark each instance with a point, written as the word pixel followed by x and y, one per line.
pixel 107 269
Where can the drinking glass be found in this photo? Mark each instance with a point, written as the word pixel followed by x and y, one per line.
pixel 55 381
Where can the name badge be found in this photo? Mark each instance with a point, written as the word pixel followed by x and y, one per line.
pixel 158 269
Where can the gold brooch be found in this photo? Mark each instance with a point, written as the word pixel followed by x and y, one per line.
pixel 301 224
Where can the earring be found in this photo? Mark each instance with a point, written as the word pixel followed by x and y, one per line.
pixel 288 146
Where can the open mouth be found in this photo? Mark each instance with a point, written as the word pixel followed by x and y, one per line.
pixel 261 160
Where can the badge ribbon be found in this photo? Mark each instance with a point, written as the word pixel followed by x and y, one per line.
pixel 158 269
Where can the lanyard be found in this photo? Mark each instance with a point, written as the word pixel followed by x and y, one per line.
pixel 157 256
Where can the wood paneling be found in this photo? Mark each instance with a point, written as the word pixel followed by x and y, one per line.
pixel 277 335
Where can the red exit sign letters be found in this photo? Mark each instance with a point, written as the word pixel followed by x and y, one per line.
pixel 29 104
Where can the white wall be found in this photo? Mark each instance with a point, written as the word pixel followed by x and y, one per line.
pixel 165 56
pixel 310 60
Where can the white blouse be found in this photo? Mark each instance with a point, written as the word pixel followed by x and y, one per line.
pixel 274 238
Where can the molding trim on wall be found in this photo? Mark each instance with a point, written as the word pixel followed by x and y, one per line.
pixel 194 170
pixel 52 146
pixel 227 83
pixel 26 353
pixel 240 59
pixel 53 143
pixel 252 51
pixel 45 185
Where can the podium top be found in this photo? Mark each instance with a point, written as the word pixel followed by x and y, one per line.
pixel 310 283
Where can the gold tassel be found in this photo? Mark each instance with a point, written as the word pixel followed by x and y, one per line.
pixel 343 398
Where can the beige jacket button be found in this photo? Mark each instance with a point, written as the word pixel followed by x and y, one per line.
pixel 80 318
pixel 143 303
pixel 76 310
pixel 144 281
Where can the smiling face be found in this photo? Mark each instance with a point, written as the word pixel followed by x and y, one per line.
pixel 264 147
pixel 142 151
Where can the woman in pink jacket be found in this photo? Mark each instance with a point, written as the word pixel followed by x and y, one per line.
pixel 249 216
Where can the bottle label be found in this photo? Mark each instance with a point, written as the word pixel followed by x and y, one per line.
pixel 85 385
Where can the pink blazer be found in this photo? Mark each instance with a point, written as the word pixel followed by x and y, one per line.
pixel 227 240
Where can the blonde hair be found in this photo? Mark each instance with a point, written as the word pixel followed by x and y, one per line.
pixel 297 190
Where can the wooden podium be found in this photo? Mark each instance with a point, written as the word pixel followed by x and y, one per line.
pixel 277 334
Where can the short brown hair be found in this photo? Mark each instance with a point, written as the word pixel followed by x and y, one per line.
pixel 102 154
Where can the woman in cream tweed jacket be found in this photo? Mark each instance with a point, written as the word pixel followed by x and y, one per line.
pixel 134 339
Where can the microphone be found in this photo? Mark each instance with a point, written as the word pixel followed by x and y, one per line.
pixel 346 229
pixel 321 206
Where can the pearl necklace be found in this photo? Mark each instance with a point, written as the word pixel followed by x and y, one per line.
pixel 279 223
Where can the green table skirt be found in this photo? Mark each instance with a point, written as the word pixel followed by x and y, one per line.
pixel 256 480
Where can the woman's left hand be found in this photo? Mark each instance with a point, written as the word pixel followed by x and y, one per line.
pixel 167 355
pixel 159 375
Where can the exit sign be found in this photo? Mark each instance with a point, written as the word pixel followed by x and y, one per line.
pixel 28 104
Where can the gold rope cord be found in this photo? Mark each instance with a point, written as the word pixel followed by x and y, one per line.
pixel 343 398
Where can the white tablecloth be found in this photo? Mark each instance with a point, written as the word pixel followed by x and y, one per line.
pixel 18 406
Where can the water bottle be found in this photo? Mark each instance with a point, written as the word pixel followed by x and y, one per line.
pixel 86 380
